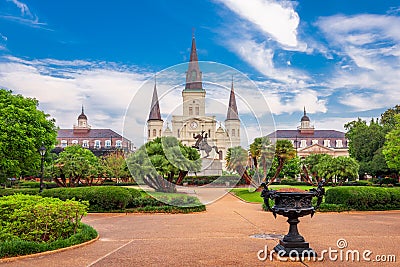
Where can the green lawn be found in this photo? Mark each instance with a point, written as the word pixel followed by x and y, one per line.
pixel 249 195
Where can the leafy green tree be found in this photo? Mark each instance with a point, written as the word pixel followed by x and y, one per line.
pixel 114 166
pixel 388 118
pixel 236 160
pixel 77 164
pixel 23 130
pixel 290 169
pixel 310 164
pixel 157 162
pixel 391 149
pixel 338 169
pixel 261 150
pixel 284 151
pixel 364 141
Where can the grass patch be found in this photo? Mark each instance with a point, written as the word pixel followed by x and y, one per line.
pixel 250 195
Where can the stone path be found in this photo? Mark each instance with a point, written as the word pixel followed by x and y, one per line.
pixel 221 237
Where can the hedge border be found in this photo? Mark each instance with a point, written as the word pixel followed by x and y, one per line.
pixel 48 252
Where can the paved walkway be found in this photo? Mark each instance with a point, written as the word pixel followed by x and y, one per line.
pixel 221 237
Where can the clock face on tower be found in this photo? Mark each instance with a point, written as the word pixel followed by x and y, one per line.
pixel 193 125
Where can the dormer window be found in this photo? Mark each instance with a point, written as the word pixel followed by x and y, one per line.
pixel 97 144
pixel 118 144
pixel 327 143
pixel 107 144
pixel 303 143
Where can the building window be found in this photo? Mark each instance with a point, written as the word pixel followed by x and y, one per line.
pixel 160 133
pixel 339 143
pixel 64 143
pixel 85 143
pixel 179 133
pixel 190 110
pixel 327 143
pixel 209 133
pixel 233 132
pixel 303 143
pixel 194 74
pixel 148 133
pixel 197 110
pixel 118 144
pixel 238 131
pixel 154 132
pixel 74 142
pixel 292 141
pixel 314 142
pixel 107 144
pixel 97 144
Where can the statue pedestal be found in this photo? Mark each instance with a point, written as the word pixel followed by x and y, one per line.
pixel 209 167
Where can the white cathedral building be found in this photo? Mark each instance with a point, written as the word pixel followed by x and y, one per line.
pixel 194 119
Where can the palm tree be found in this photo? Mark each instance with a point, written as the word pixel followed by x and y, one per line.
pixel 236 159
pixel 261 151
pixel 284 151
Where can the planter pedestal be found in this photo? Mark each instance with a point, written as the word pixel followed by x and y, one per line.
pixel 293 205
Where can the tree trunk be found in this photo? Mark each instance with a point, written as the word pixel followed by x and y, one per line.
pixel 59 183
pixel 181 175
pixel 278 171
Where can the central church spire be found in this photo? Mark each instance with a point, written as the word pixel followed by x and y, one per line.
pixel 193 74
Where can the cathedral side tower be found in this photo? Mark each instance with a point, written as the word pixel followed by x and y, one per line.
pixel 232 122
pixel 154 123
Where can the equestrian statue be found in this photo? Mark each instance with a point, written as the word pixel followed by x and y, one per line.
pixel 202 144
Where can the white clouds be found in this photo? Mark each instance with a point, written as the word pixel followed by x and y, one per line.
pixel 23 7
pixel 104 92
pixel 261 58
pixel 276 19
pixel 25 16
pixel 371 43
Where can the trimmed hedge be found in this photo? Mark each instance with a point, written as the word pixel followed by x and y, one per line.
pixel 203 180
pixel 101 198
pixel 20 247
pixel 364 198
pixel 13 191
pixel 174 203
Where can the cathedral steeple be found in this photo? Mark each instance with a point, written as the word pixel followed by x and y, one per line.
pixel 232 113
pixel 155 113
pixel 193 74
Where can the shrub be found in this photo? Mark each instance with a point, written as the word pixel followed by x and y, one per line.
pixel 100 198
pixel 291 181
pixel 19 247
pixel 216 180
pixel 25 191
pixel 38 219
pixel 364 198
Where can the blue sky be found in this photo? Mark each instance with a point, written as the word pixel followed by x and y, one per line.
pixel 340 59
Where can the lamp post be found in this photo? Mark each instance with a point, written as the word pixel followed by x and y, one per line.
pixel 42 151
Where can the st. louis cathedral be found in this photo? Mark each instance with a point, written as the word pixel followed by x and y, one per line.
pixel 194 121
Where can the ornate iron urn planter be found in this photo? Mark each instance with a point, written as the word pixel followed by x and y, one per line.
pixel 293 205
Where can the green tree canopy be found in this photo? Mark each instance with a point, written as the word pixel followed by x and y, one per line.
pixel 388 117
pixel 23 130
pixel 311 164
pixel 163 157
pixel 114 166
pixel 76 163
pixel 364 141
pixel 338 169
pixel 391 149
